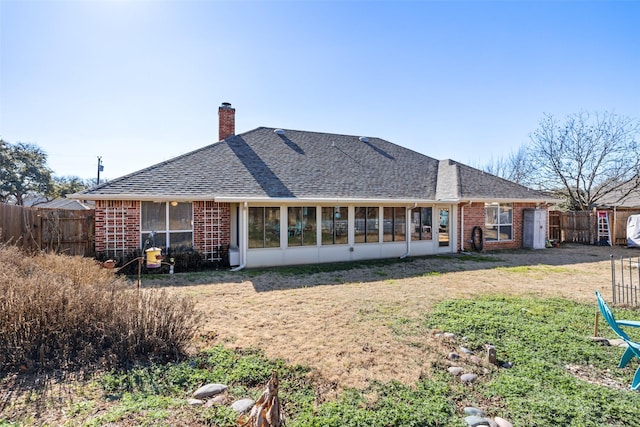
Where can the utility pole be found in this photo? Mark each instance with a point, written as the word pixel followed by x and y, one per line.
pixel 100 169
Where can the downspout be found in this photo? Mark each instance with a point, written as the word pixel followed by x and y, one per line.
pixel 407 230
pixel 244 230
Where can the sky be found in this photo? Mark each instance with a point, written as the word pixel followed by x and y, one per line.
pixel 140 82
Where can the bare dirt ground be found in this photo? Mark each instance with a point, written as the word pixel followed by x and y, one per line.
pixel 360 325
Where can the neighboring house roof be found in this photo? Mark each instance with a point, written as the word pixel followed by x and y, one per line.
pixel 626 197
pixel 69 204
pixel 263 164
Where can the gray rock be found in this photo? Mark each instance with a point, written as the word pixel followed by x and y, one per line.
pixel 195 402
pixel 453 356
pixel 243 406
pixel 468 378
pixel 470 410
pixel 465 350
pixel 618 343
pixel 600 340
pixel 501 422
pixel 455 370
pixel 474 420
pixel 449 335
pixel 209 390
pixel 506 365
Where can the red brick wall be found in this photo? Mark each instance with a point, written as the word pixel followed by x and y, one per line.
pixel 131 211
pixel 224 212
pixel 474 216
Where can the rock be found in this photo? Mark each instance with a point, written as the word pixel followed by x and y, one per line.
pixel 453 356
pixel 474 420
pixel 455 370
pixel 465 350
pixel 243 406
pixel 449 335
pixel 618 343
pixel 209 390
pixel 502 422
pixel 600 340
pixel 195 402
pixel 468 378
pixel 470 410
pixel 506 365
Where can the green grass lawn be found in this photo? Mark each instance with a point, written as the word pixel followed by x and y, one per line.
pixel 540 337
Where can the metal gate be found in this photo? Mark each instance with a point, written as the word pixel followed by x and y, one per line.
pixel 625 280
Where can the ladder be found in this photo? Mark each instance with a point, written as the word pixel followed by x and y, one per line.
pixel 604 236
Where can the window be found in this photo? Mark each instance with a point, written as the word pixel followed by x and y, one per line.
pixel 395 224
pixel 302 226
pixel 498 222
pixel 367 225
pixel 264 227
pixel 421 223
pixel 167 224
pixel 335 226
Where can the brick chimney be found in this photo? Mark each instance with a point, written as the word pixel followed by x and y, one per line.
pixel 226 121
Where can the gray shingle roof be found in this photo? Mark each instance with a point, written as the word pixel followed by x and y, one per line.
pixel 262 164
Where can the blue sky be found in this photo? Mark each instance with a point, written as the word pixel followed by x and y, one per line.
pixel 139 82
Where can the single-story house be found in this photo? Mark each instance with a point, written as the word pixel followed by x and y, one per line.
pixel 281 197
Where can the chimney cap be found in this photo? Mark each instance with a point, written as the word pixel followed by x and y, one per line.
pixel 226 105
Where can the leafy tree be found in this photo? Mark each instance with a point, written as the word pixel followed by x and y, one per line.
pixel 63 185
pixel 23 172
pixel 585 158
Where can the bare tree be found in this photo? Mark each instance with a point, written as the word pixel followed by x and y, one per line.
pixel 514 167
pixel 586 158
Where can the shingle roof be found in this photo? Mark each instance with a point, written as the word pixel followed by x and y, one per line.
pixel 263 164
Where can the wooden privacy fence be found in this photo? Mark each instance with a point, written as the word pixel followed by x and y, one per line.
pixel 581 227
pixel 64 231
pixel 625 280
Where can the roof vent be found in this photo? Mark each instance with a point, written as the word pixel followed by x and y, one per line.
pixel 279 131
pixel 363 139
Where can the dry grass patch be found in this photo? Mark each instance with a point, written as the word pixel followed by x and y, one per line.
pixel 62 312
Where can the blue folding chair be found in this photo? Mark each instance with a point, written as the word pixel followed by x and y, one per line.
pixel 633 348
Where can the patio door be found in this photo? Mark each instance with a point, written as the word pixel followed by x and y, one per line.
pixel 444 227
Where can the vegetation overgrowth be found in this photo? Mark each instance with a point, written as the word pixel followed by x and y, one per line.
pixel 63 312
pixel 560 376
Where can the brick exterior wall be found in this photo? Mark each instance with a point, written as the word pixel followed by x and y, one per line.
pixel 129 237
pixel 474 215
pixel 222 212
pixel 226 121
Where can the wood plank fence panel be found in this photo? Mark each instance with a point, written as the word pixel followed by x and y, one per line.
pixel 51 230
pixel 581 227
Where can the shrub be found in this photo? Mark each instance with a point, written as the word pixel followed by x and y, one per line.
pixel 59 311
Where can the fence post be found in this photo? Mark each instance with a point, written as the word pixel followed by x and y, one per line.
pixel 613 278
